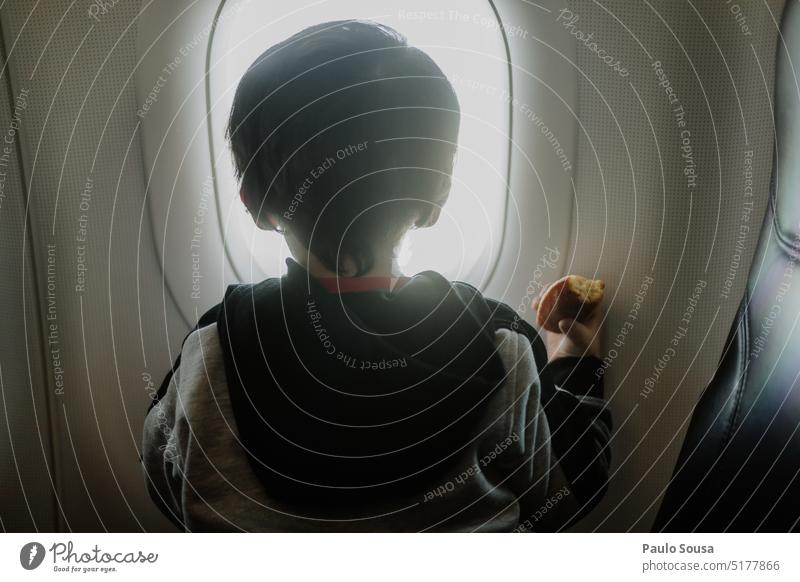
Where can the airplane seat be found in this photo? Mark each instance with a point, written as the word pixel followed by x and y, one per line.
pixel 738 467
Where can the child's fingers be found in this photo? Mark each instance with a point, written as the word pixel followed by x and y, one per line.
pixel 596 316
pixel 577 332
pixel 535 304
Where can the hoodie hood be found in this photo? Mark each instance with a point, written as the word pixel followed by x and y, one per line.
pixel 364 394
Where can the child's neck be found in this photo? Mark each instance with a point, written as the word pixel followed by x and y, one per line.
pixel 385 262
pixel 384 266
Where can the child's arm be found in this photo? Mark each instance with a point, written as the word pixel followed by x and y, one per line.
pixel 580 427
pixel 564 416
pixel 160 451
pixel 580 422
pixel 164 437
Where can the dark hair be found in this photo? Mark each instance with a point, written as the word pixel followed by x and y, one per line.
pixel 299 114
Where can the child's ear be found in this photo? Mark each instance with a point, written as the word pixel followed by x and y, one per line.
pixel 269 222
pixel 429 218
pixel 272 221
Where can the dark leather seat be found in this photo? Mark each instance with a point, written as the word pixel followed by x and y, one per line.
pixel 739 468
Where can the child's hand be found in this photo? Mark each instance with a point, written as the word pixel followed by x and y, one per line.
pixel 577 338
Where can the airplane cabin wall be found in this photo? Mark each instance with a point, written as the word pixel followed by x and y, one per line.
pixel 82 158
pixel 26 458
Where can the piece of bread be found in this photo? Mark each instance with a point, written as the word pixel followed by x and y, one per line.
pixel 572 297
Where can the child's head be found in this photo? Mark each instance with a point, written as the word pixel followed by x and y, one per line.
pixel 345 137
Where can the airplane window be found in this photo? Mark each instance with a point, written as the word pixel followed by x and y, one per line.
pixel 466 40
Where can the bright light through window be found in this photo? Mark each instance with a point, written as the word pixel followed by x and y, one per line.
pixel 464 38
